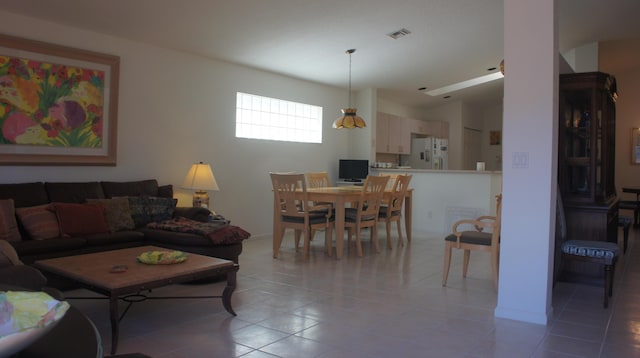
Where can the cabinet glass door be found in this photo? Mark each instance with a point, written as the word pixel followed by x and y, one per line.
pixel 578 142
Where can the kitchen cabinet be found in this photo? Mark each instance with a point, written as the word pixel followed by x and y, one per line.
pixel 390 134
pixel 586 159
pixel 393 133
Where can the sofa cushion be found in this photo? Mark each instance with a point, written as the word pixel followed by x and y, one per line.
pixel 24 194
pixel 131 188
pixel 8 255
pixel 40 222
pixel 160 209
pixel 116 212
pixel 165 191
pixel 48 248
pixel 8 225
pixel 73 192
pixel 139 212
pixel 218 233
pixel 114 238
pixel 80 219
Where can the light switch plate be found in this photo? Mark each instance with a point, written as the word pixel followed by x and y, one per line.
pixel 520 160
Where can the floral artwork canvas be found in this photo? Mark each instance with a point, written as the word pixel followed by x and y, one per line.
pixel 50 104
pixel 58 105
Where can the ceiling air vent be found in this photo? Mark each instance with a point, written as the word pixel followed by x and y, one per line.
pixel 398 34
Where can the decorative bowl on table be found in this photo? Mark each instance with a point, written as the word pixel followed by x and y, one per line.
pixel 162 257
pixel 25 317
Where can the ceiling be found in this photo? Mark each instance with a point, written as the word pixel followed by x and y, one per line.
pixel 450 40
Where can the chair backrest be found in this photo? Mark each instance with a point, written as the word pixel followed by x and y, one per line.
pixel 286 188
pixel 495 238
pixel 392 179
pixel 371 196
pixel 399 191
pixel 318 179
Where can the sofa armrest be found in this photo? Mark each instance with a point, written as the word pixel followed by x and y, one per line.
pixel 193 213
pixel 23 276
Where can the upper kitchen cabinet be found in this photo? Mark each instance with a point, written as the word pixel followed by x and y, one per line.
pixel 390 134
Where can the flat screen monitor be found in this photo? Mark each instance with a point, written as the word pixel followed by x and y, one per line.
pixel 354 170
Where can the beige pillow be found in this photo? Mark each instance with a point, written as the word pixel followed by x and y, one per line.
pixel 8 225
pixel 8 255
pixel 116 212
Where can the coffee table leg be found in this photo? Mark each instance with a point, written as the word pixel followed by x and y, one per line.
pixel 228 290
pixel 113 312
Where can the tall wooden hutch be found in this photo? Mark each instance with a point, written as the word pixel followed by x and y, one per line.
pixel 586 156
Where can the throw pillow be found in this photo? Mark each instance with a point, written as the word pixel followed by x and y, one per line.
pixel 8 255
pixel 160 209
pixel 80 219
pixel 138 211
pixel 39 222
pixel 8 225
pixel 116 212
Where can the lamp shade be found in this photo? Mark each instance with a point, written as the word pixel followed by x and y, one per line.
pixel 200 177
pixel 349 119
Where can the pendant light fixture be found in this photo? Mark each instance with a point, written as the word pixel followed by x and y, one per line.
pixel 349 118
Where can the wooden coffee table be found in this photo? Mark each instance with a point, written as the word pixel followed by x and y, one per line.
pixel 93 271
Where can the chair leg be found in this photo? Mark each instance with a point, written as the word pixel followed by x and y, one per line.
pixel 328 242
pixel 608 283
pixel 465 262
pixel 374 237
pixel 277 241
pixel 297 239
pixel 447 262
pixel 358 241
pixel 400 240
pixel 494 269
pixel 388 227
pixel 306 244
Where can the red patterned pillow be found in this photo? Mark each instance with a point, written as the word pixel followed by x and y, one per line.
pixel 40 222
pixel 80 219
pixel 8 225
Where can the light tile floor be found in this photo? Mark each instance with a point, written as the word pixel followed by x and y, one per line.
pixel 389 304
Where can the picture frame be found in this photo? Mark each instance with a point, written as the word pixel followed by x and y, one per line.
pixel 495 137
pixel 58 104
pixel 635 146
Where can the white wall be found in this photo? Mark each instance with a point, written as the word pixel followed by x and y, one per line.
pixel 176 109
pixel 614 58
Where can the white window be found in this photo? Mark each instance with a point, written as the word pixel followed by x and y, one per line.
pixel 260 117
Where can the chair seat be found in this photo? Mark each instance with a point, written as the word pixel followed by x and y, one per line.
pixel 385 209
pixel 472 237
pixel 591 248
pixel 313 218
pixel 351 215
pixel 624 220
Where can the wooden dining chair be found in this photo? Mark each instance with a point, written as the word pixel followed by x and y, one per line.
pixel 391 208
pixel 478 239
pixel 365 213
pixel 293 210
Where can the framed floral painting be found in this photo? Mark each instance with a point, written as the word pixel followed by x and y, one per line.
pixel 58 105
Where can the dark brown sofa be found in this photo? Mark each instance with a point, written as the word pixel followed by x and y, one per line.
pixel 38 193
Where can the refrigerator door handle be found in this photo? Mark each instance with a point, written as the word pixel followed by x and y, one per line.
pixel 421 155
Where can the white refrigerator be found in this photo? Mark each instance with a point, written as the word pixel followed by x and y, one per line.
pixel 428 153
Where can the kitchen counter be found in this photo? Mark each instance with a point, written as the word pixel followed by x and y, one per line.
pixel 442 197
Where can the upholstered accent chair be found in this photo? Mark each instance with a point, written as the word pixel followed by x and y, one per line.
pixel 477 240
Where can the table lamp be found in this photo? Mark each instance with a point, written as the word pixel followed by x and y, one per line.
pixel 200 178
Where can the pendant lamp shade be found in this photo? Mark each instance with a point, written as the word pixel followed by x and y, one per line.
pixel 349 118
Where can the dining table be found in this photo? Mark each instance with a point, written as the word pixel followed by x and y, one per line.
pixel 340 196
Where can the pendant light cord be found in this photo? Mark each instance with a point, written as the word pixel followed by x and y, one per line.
pixel 350 52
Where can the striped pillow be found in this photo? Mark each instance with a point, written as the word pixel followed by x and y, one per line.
pixel 40 222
